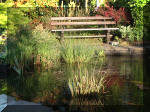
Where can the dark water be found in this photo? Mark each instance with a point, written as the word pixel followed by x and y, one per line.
pixel 50 87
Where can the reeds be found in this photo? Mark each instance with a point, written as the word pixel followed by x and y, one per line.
pixel 101 53
pixel 84 83
pixel 20 48
pixel 73 52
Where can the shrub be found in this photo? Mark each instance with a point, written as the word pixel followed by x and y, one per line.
pixel 137 15
pixel 72 52
pixel 128 33
pixel 110 11
pixel 16 17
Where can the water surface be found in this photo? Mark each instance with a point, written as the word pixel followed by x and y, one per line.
pixel 50 87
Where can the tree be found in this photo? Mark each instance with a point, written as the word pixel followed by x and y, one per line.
pixel 137 15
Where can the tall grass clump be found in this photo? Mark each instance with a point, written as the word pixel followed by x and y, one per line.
pixel 47 46
pixel 85 83
pixel 20 49
pixel 32 46
pixel 73 52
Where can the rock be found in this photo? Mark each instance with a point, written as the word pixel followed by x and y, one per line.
pixel 114 43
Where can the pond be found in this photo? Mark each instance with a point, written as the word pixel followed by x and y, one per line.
pixel 51 87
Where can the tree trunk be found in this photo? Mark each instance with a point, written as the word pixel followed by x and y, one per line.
pixel 86 5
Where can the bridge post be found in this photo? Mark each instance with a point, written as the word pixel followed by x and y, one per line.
pixel 108 36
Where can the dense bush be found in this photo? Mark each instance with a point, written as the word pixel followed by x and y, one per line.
pixel 16 17
pixel 137 15
pixel 3 16
pixel 110 11
pixel 127 33
pixel 146 22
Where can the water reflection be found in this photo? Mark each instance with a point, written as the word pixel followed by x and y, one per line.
pixel 50 87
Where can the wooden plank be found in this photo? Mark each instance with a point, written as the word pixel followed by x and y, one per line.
pixel 83 23
pixel 78 37
pixel 80 18
pixel 94 36
pixel 87 29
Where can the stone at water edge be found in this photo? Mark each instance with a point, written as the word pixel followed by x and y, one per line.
pixel 9 100
pixel 114 43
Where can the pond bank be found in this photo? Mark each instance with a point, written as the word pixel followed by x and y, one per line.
pixel 8 103
pixel 120 50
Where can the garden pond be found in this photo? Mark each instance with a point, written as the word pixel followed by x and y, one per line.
pixel 51 87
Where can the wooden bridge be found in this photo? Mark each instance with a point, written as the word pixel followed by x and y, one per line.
pixel 58 24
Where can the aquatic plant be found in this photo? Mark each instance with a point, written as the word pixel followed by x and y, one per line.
pixel 73 52
pixel 84 83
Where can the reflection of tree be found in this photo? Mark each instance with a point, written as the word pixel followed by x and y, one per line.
pixel 22 86
pixel 3 86
pixel 39 87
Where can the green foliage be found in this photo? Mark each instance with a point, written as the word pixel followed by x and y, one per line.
pixel 3 88
pixel 129 33
pixel 146 21
pixel 101 53
pixel 3 48
pixel 28 45
pixel 20 48
pixel 2 40
pixel 137 15
pixel 125 31
pixel 93 3
pixel 47 46
pixel 117 39
pixel 120 3
pixel 72 52
pixel 16 17
pixel 138 3
pixel 11 16
pixel 3 15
